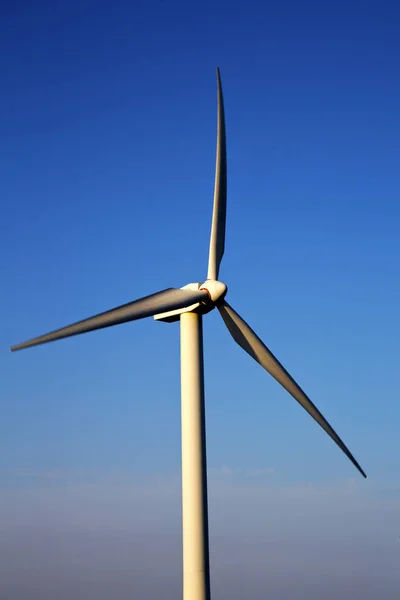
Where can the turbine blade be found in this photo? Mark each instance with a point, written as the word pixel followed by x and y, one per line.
pixel 217 240
pixel 251 343
pixel 166 300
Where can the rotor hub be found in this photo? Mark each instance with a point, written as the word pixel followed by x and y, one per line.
pixel 215 289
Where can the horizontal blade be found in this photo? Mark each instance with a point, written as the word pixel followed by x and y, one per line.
pixel 251 343
pixel 217 241
pixel 169 299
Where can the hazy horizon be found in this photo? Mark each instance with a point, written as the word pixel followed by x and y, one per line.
pixel 104 534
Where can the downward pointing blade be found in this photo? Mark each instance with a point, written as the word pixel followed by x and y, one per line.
pixel 166 300
pixel 251 343
pixel 217 241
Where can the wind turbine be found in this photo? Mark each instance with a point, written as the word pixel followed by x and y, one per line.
pixel 188 305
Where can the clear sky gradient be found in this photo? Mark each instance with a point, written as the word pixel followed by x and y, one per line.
pixel 107 140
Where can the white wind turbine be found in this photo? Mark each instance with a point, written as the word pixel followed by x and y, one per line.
pixel 188 305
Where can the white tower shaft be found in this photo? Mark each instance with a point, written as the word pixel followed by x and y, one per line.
pixel 196 574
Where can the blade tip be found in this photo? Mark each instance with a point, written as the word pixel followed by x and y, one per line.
pixel 19 347
pixel 363 473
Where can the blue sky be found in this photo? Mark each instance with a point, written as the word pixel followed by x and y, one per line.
pixel 108 126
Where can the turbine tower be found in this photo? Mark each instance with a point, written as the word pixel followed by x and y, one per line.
pixel 188 305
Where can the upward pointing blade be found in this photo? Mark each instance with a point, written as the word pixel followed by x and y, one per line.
pixel 166 300
pixel 251 343
pixel 217 241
